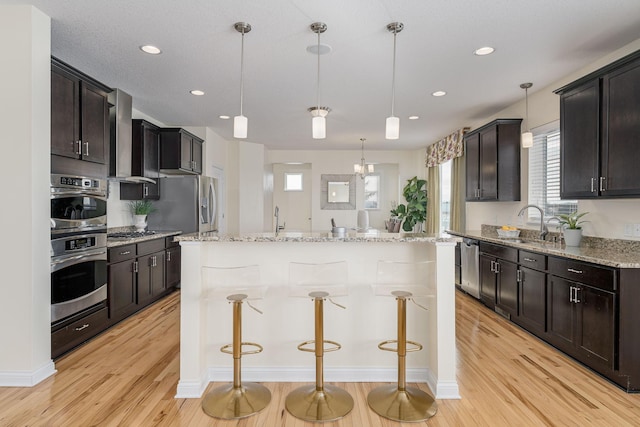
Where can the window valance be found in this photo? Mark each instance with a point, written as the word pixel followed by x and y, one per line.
pixel 448 148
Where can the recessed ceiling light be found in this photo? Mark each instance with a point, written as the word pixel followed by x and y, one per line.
pixel 439 93
pixel 414 117
pixel 484 51
pixel 197 92
pixel 223 117
pixel 152 50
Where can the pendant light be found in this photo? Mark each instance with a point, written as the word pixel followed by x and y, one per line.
pixel 318 123
pixel 526 137
pixel 241 123
pixel 393 122
pixel 362 168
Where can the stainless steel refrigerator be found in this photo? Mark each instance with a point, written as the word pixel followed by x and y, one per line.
pixel 187 203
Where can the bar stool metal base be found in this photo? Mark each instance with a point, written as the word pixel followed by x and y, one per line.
pixel 410 404
pixel 228 402
pixel 310 404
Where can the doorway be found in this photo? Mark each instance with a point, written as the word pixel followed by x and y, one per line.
pixel 292 196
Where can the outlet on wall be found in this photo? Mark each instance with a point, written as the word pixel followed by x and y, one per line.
pixel 636 230
pixel 629 230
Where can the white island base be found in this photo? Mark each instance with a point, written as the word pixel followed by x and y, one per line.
pixel 206 319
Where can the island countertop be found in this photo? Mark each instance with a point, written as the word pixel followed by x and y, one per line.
pixel 318 236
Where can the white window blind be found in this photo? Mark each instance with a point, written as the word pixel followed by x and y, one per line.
pixel 544 176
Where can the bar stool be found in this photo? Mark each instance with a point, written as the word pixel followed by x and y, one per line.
pixel 319 402
pixel 404 281
pixel 237 400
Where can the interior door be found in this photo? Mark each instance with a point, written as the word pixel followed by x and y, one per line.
pixel 294 206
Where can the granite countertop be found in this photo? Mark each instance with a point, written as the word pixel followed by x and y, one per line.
pixel 610 252
pixel 113 242
pixel 321 236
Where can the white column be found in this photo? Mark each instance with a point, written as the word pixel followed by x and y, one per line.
pixel 25 84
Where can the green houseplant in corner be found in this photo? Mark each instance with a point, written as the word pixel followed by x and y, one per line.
pixel 140 209
pixel 415 211
pixel 572 228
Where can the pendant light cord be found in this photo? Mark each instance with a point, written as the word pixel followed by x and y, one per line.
pixel 242 72
pixel 318 87
pixel 393 78
pixel 526 106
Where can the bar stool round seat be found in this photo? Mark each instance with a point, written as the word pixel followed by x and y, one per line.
pixel 236 400
pixel 319 402
pixel 399 402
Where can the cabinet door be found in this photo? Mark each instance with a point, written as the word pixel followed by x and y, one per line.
pixel 472 156
pixel 196 154
pixel 145 279
pixel 173 259
pixel 532 300
pixel 596 325
pixel 621 132
pixel 95 123
pixel 487 281
pixel 489 164
pixel 122 289
pixel 65 114
pixel 158 283
pixel 579 141
pixel 185 152
pixel 151 162
pixel 561 324
pixel 507 287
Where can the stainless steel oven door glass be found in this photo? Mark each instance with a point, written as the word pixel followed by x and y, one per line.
pixel 78 204
pixel 78 274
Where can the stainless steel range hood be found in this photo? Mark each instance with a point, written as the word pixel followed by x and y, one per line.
pixel 120 149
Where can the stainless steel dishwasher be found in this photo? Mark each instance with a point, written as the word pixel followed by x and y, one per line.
pixel 469 264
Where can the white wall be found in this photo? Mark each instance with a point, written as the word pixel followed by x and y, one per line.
pixel 25 117
pixel 410 164
pixel 606 217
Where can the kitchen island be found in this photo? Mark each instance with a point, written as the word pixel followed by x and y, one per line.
pixel 287 321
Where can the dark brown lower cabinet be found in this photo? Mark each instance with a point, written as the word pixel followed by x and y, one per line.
pixel 173 258
pixel 532 291
pixel 123 291
pixel 78 331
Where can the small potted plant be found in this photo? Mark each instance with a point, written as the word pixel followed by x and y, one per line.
pixel 416 210
pixel 397 212
pixel 572 228
pixel 141 208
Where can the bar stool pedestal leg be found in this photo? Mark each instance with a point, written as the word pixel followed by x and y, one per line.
pixel 236 400
pixel 399 402
pixel 319 402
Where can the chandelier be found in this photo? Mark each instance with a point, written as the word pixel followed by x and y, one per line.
pixel 362 169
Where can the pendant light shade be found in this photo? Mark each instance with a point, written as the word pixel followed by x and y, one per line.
pixel 240 122
pixel 393 122
pixel 318 123
pixel 526 137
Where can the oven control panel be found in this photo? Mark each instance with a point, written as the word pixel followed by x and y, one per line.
pixel 77 183
pixel 77 244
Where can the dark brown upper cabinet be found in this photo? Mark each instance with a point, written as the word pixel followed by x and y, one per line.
pixel 600 132
pixel 493 161
pixel 145 161
pixel 180 152
pixel 79 115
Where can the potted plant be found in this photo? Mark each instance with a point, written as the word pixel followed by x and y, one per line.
pixel 572 228
pixel 415 212
pixel 141 208
pixel 397 215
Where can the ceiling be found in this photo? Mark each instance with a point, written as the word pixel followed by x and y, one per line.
pixel 537 41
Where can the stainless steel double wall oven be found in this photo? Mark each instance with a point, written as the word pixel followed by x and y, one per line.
pixel 78 247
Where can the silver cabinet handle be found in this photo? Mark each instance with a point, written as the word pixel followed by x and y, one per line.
pixel 593 186
pixel 78 150
pixel 497 267
pixel 602 178
pixel 86 148
pixel 146 190
pixel 518 275
pixel 125 253
pixel 576 299
pixel 530 259
pixel 168 256
pixel 135 267
pixel 571 289
pixel 86 325
pixel 571 270
pixel 493 266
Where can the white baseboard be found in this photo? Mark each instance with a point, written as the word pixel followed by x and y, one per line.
pixel 191 389
pixel 27 378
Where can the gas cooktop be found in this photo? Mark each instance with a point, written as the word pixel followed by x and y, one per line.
pixel 130 234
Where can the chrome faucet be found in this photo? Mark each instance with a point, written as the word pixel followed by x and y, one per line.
pixel 277 215
pixel 543 228
pixel 559 226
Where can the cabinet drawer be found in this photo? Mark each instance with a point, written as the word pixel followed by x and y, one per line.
pixel 121 253
pixel 169 243
pixel 589 274
pixel 502 252
pixel 78 332
pixel 150 246
pixel 532 260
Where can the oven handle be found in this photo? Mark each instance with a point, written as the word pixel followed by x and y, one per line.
pixel 57 193
pixel 68 261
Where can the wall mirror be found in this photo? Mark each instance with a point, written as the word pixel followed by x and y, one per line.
pixel 338 192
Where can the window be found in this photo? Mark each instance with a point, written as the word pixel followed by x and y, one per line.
pixel 293 181
pixel 372 192
pixel 544 174
pixel 445 195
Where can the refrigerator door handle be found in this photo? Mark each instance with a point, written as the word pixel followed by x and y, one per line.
pixel 204 210
pixel 212 203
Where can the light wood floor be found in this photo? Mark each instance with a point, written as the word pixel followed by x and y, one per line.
pixel 128 377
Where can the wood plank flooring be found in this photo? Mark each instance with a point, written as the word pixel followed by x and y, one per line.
pixel 128 377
